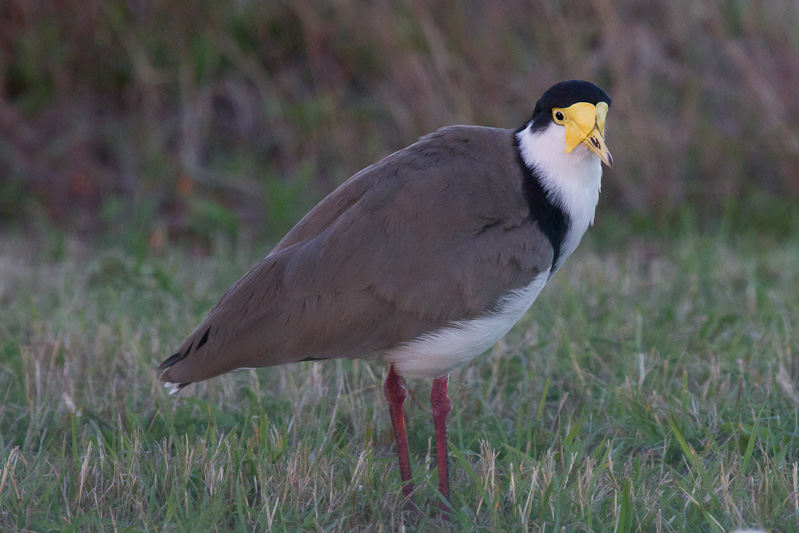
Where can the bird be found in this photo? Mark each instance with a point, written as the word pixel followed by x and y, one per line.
pixel 423 260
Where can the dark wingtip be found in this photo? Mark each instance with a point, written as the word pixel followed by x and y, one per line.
pixel 204 339
pixel 177 357
pixel 171 360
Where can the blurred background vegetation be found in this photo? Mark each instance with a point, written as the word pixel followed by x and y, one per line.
pixel 151 122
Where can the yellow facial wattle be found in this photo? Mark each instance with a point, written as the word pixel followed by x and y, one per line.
pixel 585 123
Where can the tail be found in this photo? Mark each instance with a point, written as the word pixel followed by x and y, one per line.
pixel 177 357
pixel 171 360
pixel 205 354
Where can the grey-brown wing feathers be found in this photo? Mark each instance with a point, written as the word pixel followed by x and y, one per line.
pixel 434 233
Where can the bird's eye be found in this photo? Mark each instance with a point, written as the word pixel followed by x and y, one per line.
pixel 559 117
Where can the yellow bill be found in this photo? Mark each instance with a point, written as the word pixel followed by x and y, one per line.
pixel 585 123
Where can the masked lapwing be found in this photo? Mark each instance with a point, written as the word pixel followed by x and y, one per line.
pixel 423 260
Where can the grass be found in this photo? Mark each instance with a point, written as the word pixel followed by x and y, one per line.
pixel 651 388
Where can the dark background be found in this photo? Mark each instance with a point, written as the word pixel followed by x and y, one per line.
pixel 153 122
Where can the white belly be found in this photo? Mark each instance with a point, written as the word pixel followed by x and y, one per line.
pixel 438 353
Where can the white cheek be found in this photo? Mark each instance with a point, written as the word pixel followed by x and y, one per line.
pixel 572 181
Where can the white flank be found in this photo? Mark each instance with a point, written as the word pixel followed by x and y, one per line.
pixel 571 181
pixel 438 353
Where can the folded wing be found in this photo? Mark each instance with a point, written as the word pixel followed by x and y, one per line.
pixel 434 233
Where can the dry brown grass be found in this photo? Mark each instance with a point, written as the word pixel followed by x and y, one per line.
pixel 189 112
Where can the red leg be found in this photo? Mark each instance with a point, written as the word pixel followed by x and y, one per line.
pixel 395 396
pixel 441 406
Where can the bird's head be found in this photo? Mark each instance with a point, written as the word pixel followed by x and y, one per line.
pixel 577 109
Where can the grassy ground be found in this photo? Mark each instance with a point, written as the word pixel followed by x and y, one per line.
pixel 651 388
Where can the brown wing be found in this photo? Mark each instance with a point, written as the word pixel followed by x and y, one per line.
pixel 434 233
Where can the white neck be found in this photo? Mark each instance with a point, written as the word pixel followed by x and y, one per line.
pixel 571 181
